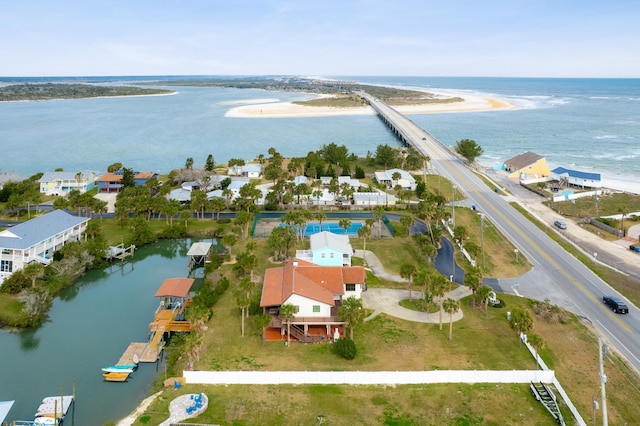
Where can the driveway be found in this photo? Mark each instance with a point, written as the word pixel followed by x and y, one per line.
pixel 387 300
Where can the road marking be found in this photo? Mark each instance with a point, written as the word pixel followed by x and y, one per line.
pixel 619 342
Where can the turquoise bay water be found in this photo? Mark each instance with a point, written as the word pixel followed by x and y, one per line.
pixel 89 327
pixel 589 124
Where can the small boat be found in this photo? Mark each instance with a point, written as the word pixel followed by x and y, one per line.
pixel 45 421
pixel 125 368
pixel 115 377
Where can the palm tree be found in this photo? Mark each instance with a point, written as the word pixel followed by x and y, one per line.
pixel 345 224
pixel 287 313
pixel 320 217
pixel 439 285
pixel 317 193
pixel 33 271
pixel 262 321
pixel 623 212
pixel 243 297
pixel 451 306
pixel 227 194
pixel 378 212
pixel 364 232
pixel 352 313
pixel 460 233
pixel 483 295
pixel 473 280
pixel 407 271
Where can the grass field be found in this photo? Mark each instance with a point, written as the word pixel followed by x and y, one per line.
pixel 386 343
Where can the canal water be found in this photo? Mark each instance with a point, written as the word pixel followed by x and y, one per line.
pixel 89 327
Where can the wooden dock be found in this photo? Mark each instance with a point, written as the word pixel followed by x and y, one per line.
pixel 142 352
pixel 120 252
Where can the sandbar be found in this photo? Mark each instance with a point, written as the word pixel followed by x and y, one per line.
pixel 470 103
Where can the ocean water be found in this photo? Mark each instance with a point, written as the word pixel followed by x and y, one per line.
pixel 588 124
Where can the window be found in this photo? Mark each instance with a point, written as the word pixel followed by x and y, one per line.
pixel 331 255
pixel 350 287
pixel 316 308
pixel 6 266
pixel 297 308
pixel 323 255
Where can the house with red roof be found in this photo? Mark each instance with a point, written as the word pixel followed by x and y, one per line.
pixel 110 182
pixel 316 292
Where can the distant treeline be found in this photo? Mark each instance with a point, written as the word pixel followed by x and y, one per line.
pixel 46 91
pixel 390 95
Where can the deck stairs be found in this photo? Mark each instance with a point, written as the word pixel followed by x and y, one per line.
pixel 305 338
pixel 544 395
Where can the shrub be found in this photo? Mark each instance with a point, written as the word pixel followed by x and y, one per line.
pixel 15 283
pixel 173 232
pixel 346 348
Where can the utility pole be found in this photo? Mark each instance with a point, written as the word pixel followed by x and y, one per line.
pixel 603 380
pixel 453 206
pixel 482 237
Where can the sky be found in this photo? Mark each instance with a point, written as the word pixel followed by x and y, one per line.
pixel 497 38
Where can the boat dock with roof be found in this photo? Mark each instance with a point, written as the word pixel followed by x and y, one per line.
pixel 199 254
pixel 169 317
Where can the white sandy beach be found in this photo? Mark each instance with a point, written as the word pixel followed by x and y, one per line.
pixel 621 185
pixel 470 103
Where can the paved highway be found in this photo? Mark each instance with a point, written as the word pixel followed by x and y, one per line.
pixel 556 274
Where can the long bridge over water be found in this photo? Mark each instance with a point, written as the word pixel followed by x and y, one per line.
pixel 409 132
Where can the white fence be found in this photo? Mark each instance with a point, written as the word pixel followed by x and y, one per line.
pixel 366 377
pixel 575 196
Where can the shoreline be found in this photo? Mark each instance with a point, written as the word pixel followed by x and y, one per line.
pixel 275 109
pixel 175 92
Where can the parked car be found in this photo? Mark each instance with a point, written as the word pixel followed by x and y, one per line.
pixel 615 304
pixel 560 224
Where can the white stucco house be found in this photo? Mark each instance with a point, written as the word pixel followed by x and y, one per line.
pixel 37 239
pixel 406 181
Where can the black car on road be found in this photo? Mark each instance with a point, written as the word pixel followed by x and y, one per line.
pixel 615 304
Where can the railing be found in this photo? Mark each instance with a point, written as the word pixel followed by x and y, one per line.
pixel 277 322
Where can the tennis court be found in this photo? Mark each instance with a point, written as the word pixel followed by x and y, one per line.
pixel 334 227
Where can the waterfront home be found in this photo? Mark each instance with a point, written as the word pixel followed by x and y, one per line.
pixel 316 292
pixel 577 178
pixel 110 182
pixel 61 183
pixel 37 239
pixel 251 170
pixel 328 249
pixel 6 177
pixel 530 164
pixel 396 177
